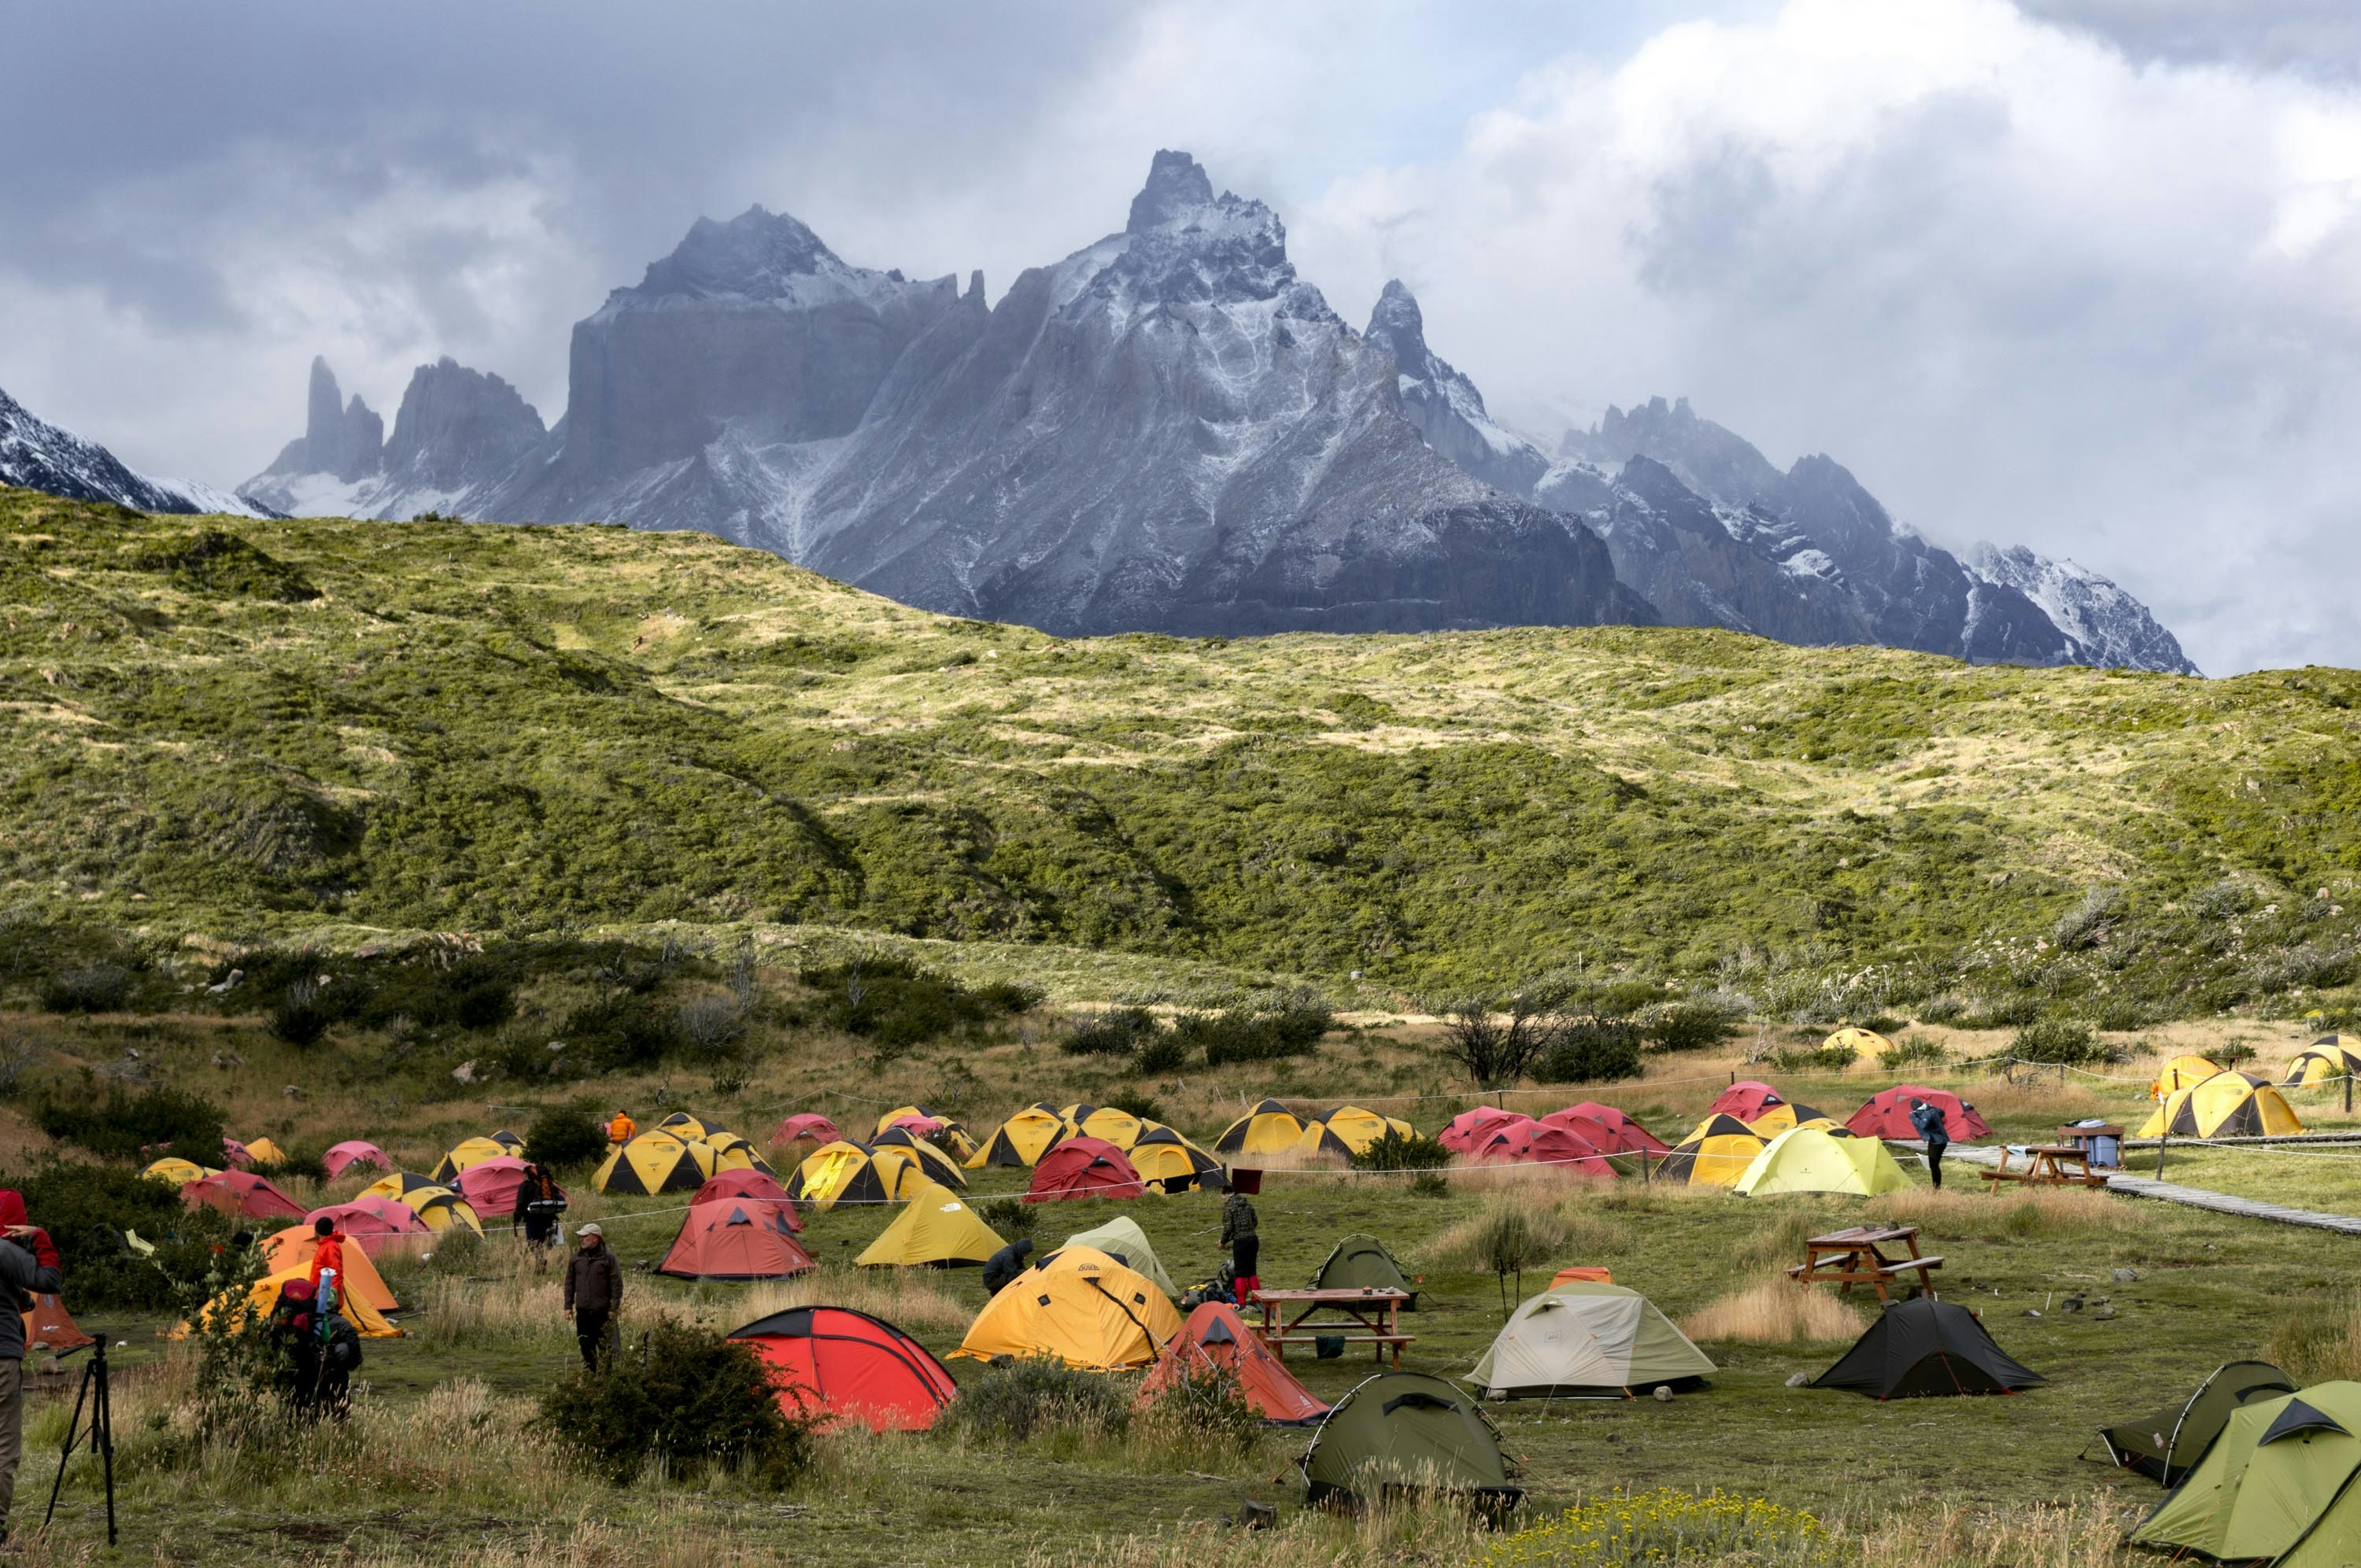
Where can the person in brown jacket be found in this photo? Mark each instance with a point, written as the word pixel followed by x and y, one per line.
pixel 594 1293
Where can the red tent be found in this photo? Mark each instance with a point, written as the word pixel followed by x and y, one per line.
pixel 234 1153
pixel 806 1124
pixel 1745 1100
pixel 919 1126
pixel 1621 1134
pixel 1469 1128
pixel 1214 1337
pixel 751 1186
pixel 352 1152
pixel 241 1192
pixel 733 1240
pixel 1084 1168
pixel 373 1222
pixel 852 1367
pixel 490 1185
pixel 1540 1142
pixel 1887 1116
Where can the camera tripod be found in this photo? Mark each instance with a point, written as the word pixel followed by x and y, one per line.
pixel 96 1395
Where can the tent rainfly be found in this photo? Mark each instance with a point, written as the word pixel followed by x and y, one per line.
pixel 1409 1430
pixel 1886 1115
pixel 2329 1059
pixel 1348 1130
pixel 2166 1447
pixel 934 1229
pixel 1361 1262
pixel 1717 1152
pixel 1866 1044
pixel 808 1126
pixel 1083 1168
pixel 1747 1099
pixel 938 1167
pixel 1610 1129
pixel 2181 1072
pixel 1122 1240
pixel 1081 1306
pixel 243 1193
pixel 1022 1139
pixel 1548 1144
pixel 343 1156
pixel 734 1239
pixel 1215 1339
pixel 1585 1341
pixel 1269 1128
pixel 476 1151
pixel 1821 1160
pixel 654 1162
pixel 850 1173
pixel 2279 1483
pixel 294 1247
pixel 1926 1347
pixel 850 1367
pixel 1469 1128
pixel 2226 1105
pixel 1170 1163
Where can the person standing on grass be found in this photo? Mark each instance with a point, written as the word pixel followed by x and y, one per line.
pixel 29 1267
pixel 1936 1128
pixel 1246 1246
pixel 327 1262
pixel 594 1292
pixel 538 1202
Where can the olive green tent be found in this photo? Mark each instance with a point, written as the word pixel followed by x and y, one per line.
pixel 2266 1488
pixel 1362 1263
pixel 1589 1341
pixel 1121 1239
pixel 1408 1431
pixel 2165 1447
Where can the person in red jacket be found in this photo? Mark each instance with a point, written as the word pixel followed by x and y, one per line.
pixel 29 1267
pixel 327 1257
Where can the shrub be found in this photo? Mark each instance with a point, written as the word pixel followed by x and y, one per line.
pixel 1811 1058
pixel 86 1209
pixel 121 1124
pixel 1292 1027
pixel 90 987
pixel 2062 1042
pixel 1008 997
pixel 1668 1526
pixel 1497 1040
pixel 301 1017
pixel 1133 1102
pixel 1690 1025
pixel 1118 1032
pixel 1396 1152
pixel 1593 1050
pixel 896 1004
pixel 682 1395
pixel 1162 1052
pixel 564 1137
pixel 1201 1414
pixel 710 1024
pixel 2123 1016
pixel 1944 1009
pixel 1007 1213
pixel 1885 1024
pixel 2087 922
pixel 1913 1050
pixel 1038 1394
pixel 626 1030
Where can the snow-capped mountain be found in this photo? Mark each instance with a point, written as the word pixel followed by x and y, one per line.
pixel 1168 430
pixel 37 455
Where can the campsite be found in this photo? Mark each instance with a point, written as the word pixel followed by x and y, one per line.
pixel 2119 1306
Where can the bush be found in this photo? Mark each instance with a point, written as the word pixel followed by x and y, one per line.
pixel 301 1017
pixel 686 1396
pixel 120 1126
pixel 1592 1051
pixel 1162 1052
pixel 1121 1031
pixel 2061 1042
pixel 1203 1412
pixel 91 988
pixel 1812 1059
pixel 2003 1013
pixel 1038 1394
pixel 710 1024
pixel 1396 1152
pixel 898 1003
pixel 627 1030
pixel 1007 1213
pixel 86 1209
pixel 1684 1026
pixel 1911 1050
pixel 1291 1028
pixel 565 1137
pixel 1944 1009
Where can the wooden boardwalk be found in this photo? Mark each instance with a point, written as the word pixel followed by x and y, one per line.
pixel 2195 1198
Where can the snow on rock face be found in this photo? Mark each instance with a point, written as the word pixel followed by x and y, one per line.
pixel 37 455
pixel 1445 405
pixel 2109 627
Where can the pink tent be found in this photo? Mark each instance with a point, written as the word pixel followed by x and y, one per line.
pixel 233 1154
pixel 806 1124
pixel 1472 1127
pixel 490 1185
pixel 1609 1128
pixel 918 1127
pixel 244 1193
pixel 1745 1100
pixel 1887 1116
pixel 370 1222
pixel 1539 1143
pixel 353 1152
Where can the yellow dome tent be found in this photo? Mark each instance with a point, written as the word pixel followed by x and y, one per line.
pixel 1821 1160
pixel 936 1229
pixel 655 1162
pixel 2179 1074
pixel 1022 1139
pixel 732 1152
pixel 175 1171
pixel 1170 1163
pixel 263 1296
pixel 291 1250
pixel 2226 1105
pixel 2327 1060
pixel 262 1151
pixel 1867 1044
pixel 1081 1306
pixel 690 1129
pixel 845 1172
pixel 937 1166
pixel 1269 1128
pixel 466 1156
pixel 1777 1119
pixel 1348 1130
pixel 433 1203
pixel 1717 1152
pixel 1120 1128
pixel 951 1137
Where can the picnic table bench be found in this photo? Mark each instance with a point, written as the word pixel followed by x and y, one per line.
pixel 2048 1165
pixel 1856 1257
pixel 1375 1311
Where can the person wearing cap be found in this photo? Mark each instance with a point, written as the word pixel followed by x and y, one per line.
pixel 594 1292
pixel 29 1267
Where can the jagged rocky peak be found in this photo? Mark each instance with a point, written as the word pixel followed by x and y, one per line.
pixel 1178 188
pixel 1184 244
pixel 2109 626
pixel 1716 461
pixel 340 438
pixel 1445 404
pixel 754 256
pixel 458 426
pixel 1398 327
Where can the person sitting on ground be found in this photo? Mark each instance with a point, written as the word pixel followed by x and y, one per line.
pixel 538 1202
pixel 29 1267
pixel 594 1294
pixel 621 1129
pixel 1936 1128
pixel 1245 1247
pixel 1006 1265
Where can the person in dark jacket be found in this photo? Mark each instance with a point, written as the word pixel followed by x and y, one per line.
pixel 1936 1128
pixel 29 1267
pixel 293 1328
pixel 1238 1234
pixel 594 1294
pixel 1006 1265
pixel 538 1202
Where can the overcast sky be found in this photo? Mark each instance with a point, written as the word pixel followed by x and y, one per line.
pixel 2080 274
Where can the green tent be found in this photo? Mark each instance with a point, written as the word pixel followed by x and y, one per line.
pixel 2165 1447
pixel 1121 1239
pixel 2268 1481
pixel 1588 1340
pixel 1362 1263
pixel 1406 1429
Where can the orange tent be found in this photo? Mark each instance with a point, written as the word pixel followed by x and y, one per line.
pixel 294 1246
pixel 1215 1338
pixel 735 1239
pixel 49 1327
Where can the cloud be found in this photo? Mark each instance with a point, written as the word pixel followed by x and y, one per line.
pixel 2029 289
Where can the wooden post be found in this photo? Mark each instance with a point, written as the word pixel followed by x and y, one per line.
pixel 2161 1143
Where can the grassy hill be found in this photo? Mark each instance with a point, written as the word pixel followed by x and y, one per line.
pixel 322 729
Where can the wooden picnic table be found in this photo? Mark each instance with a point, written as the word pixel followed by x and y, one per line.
pixel 1857 1257
pixel 2048 1165
pixel 1375 1311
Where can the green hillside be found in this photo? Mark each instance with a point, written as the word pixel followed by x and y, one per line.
pixel 269 731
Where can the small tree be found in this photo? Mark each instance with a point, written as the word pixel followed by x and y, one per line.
pixel 1511 1243
pixel 1497 1039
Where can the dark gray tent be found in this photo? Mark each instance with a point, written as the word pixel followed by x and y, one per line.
pixel 2166 1447
pixel 1361 1262
pixel 1408 1431
pixel 1926 1347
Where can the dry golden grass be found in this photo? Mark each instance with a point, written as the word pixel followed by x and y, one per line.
pixel 1298 1160
pixel 1536 1183
pixel 1776 1311
pixel 910 1298
pixel 2320 1342
pixel 2026 1210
